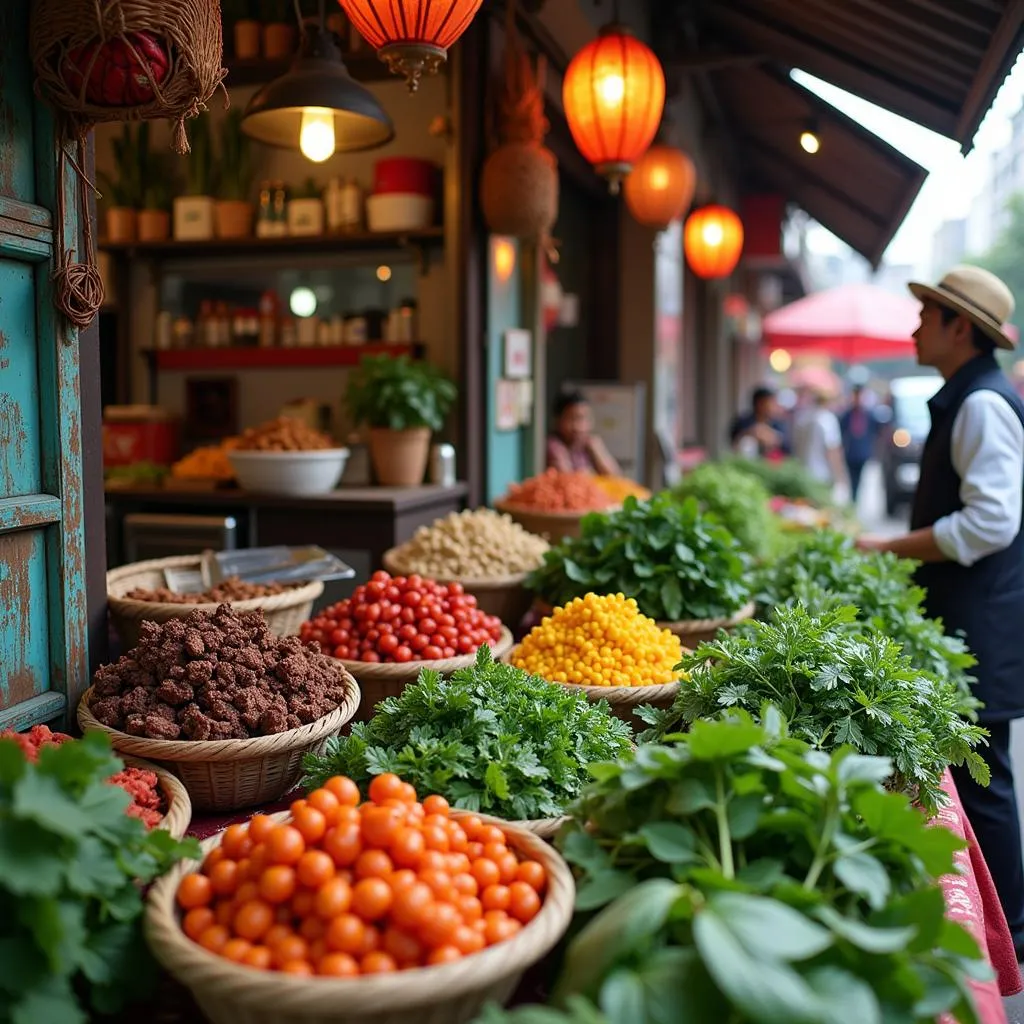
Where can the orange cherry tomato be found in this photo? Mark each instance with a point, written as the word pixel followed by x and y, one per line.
pixel 311 823
pixel 314 868
pixel 214 938
pixel 496 897
pixel 405 948
pixel 524 903
pixel 253 920
pixel 486 872
pixel 290 948
pixel 343 843
pixel 385 787
pixel 346 934
pixel 408 794
pixel 236 950
pixel 258 957
pixel 439 925
pixel 277 884
pixel 407 847
pixel 344 789
pixel 380 825
pixel 444 955
pixel 301 904
pixel 196 921
pixel 334 897
pixel 324 801
pixel 285 845
pixel 411 905
pixel 470 908
pixel 373 864
pixel 468 940
pixel 371 898
pixel 302 968
pixel 194 891
pixel 236 842
pixel 532 873
pixel 435 804
pixel 275 933
pixel 508 866
pixel 378 962
pixel 337 965
pixel 260 826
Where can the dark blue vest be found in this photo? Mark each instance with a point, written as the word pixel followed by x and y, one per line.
pixel 985 601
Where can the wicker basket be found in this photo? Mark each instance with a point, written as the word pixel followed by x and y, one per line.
pixel 228 775
pixel 379 680
pixel 284 613
pixel 693 632
pixel 179 807
pixel 543 828
pixel 502 596
pixel 553 526
pixel 622 700
pixel 229 993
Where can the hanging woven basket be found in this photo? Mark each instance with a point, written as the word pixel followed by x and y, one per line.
pixel 519 190
pixel 126 60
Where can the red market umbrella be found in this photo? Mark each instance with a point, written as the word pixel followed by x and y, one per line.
pixel 854 322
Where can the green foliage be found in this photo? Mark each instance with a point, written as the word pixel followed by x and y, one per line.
pixel 70 903
pixel 577 1011
pixel 200 177
pixel 491 738
pixel 236 171
pixel 785 479
pixel 835 687
pixel 740 501
pixel 1006 257
pixel 399 394
pixel 677 562
pixel 826 571
pixel 126 187
pixel 745 878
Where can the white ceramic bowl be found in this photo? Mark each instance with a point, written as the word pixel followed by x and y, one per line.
pixel 399 211
pixel 299 474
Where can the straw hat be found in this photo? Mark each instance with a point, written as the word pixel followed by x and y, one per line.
pixel 978 295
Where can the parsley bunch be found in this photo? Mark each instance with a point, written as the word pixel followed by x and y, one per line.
pixel 835 687
pixel 745 878
pixel 785 479
pixel 677 562
pixel 490 738
pixel 827 571
pixel 71 862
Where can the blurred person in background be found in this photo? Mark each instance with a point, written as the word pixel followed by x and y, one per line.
pixel 818 440
pixel 859 426
pixel 574 447
pixel 761 432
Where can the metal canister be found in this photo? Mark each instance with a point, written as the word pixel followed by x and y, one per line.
pixel 442 465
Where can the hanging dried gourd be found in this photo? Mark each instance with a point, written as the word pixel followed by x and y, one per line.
pixel 519 184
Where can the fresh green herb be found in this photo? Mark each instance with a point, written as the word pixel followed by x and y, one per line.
pixel 784 479
pixel 71 905
pixel 677 562
pixel 399 394
pixel 835 687
pixel 491 738
pixel 577 1011
pixel 826 571
pixel 236 167
pixel 748 879
pixel 739 500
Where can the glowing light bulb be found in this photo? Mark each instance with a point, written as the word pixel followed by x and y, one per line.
pixel 659 179
pixel 302 302
pixel 713 234
pixel 316 134
pixel 611 89
pixel 810 142
pixel 780 360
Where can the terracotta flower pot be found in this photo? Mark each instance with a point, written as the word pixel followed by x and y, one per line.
pixel 278 41
pixel 154 225
pixel 399 456
pixel 233 218
pixel 248 34
pixel 122 225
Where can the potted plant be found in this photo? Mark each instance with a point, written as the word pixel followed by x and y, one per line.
pixel 234 211
pixel 306 210
pixel 246 29
pixel 401 402
pixel 193 212
pixel 124 188
pixel 278 30
pixel 155 215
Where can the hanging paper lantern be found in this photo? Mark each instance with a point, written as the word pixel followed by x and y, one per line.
pixel 713 241
pixel 411 36
pixel 660 187
pixel 614 93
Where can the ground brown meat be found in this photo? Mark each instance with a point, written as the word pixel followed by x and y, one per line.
pixel 216 675
pixel 231 589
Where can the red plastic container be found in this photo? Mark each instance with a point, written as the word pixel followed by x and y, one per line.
pixel 406 174
pixel 138 434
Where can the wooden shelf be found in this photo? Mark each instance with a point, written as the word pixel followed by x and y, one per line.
pixel 365 241
pixel 363 66
pixel 272 358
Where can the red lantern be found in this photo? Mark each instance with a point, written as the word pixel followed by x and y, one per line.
pixel 713 241
pixel 614 93
pixel 660 187
pixel 411 36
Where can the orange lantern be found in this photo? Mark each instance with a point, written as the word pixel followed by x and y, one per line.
pixel 411 36
pixel 660 187
pixel 613 93
pixel 713 240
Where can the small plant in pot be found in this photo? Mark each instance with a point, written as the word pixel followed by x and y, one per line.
pixel 402 402
pixel 193 212
pixel 123 188
pixel 234 211
pixel 278 29
pixel 155 215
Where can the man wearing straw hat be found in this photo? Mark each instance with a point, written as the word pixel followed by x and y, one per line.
pixel 966 530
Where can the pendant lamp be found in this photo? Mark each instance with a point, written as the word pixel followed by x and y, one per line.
pixel 614 94
pixel 316 106
pixel 713 241
pixel 660 187
pixel 411 36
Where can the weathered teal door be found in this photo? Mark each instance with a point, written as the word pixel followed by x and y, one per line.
pixel 43 656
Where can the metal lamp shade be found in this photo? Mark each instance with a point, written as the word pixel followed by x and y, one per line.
pixel 274 114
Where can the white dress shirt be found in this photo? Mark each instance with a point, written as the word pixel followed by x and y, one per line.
pixel 988 455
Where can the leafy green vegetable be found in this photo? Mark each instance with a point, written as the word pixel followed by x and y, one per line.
pixel 398 394
pixel 739 500
pixel 827 571
pixel 70 902
pixel 577 1011
pixel 677 562
pixel 491 738
pixel 835 687
pixel 746 878
pixel 785 479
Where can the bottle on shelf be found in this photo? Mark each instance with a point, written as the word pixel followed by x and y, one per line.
pixel 334 208
pixel 268 320
pixel 265 219
pixel 351 207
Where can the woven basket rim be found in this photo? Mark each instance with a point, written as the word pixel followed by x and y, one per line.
pixel 702 625
pixel 130 606
pixel 378 671
pixel 205 751
pixel 543 828
pixel 470 583
pixel 291 996
pixel 179 805
pixel 510 506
